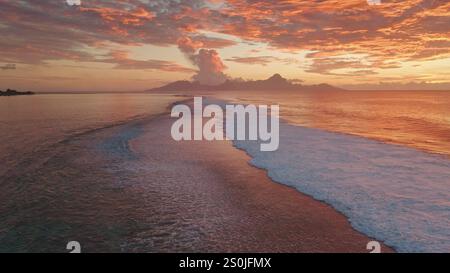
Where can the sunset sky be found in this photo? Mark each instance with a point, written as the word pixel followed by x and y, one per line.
pixel 132 45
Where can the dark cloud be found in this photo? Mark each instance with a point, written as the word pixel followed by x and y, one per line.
pixel 261 60
pixel 258 60
pixel 122 61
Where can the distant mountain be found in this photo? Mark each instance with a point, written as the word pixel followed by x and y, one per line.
pixel 276 82
pixel 10 92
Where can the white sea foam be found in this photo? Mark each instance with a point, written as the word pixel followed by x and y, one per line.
pixel 395 194
pixel 398 195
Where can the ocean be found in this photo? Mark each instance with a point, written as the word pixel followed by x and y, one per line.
pixel 417 119
pixel 58 181
pixel 30 124
pixel 380 158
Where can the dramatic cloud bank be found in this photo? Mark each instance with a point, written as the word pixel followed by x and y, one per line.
pixel 349 34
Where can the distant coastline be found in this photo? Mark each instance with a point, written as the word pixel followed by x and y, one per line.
pixel 276 82
pixel 10 92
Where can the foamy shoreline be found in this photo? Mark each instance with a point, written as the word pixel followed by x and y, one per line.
pixel 393 193
pixel 128 187
pixel 236 206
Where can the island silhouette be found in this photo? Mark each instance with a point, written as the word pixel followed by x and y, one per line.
pixel 10 92
pixel 275 82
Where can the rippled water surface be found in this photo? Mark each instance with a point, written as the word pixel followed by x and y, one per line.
pixel 418 119
pixel 56 178
pixel 68 169
pixel 31 123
